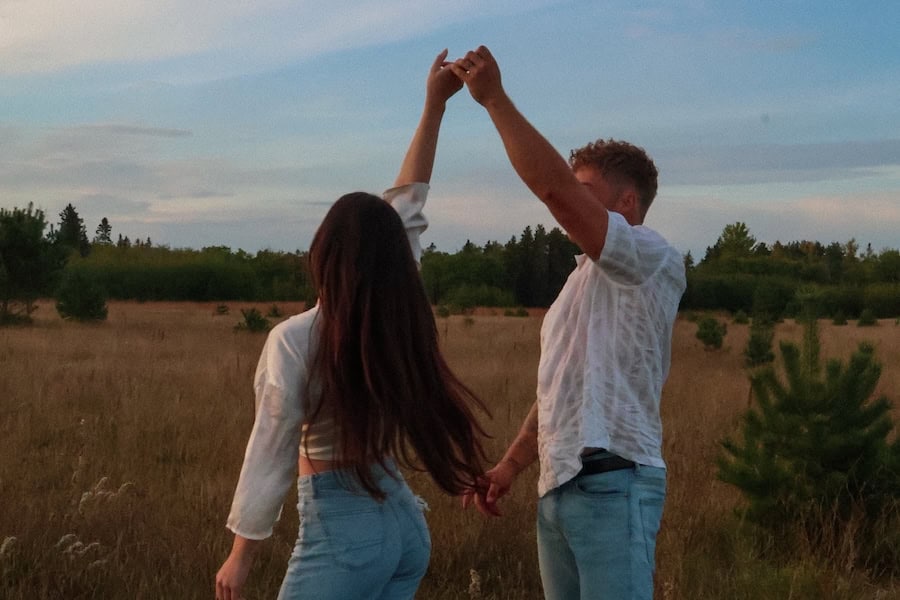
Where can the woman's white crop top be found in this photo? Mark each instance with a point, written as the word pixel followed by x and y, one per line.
pixel 285 397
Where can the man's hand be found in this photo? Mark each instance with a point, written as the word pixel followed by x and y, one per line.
pixel 481 74
pixel 442 82
pixel 495 484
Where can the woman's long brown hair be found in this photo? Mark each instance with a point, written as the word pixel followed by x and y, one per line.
pixel 382 375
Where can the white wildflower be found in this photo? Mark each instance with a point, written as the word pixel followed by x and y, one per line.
pixel 85 549
pixel 74 548
pixel 79 469
pixel 7 548
pixel 97 564
pixel 66 540
pixel 85 499
pixel 474 584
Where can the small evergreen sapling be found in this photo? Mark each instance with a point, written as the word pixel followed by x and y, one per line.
pixel 814 454
pixel 867 318
pixel 711 332
pixel 253 321
pixel 80 297
pixel 759 345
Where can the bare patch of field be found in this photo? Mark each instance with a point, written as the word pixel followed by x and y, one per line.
pixel 123 442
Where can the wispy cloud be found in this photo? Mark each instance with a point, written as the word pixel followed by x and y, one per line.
pixel 693 222
pixel 114 129
pixel 51 35
pixel 768 163
pixel 110 206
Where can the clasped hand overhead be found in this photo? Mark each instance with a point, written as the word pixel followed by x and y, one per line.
pixel 478 70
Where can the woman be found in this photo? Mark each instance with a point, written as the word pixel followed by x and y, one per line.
pixel 350 386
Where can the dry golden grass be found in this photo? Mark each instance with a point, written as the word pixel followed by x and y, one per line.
pixel 123 441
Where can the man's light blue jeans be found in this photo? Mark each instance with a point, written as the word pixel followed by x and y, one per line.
pixel 350 546
pixel 597 535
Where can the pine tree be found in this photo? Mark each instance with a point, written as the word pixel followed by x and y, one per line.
pixel 28 262
pixel 759 345
pixel 71 231
pixel 103 233
pixel 80 297
pixel 815 444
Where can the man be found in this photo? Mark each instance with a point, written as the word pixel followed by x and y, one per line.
pixel 605 354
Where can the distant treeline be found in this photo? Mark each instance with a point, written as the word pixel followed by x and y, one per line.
pixel 739 274
pixel 736 274
pixel 144 272
pixel 528 271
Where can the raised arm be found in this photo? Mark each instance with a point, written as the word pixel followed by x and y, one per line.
pixel 419 160
pixel 579 211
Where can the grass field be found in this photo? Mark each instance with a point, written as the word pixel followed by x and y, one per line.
pixel 122 443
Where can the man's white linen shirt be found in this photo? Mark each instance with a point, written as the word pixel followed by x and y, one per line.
pixel 281 386
pixel 605 353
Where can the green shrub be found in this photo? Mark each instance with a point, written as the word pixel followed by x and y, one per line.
pixel 731 291
pixel 443 311
pixel 867 318
pixel 274 312
pixel 773 297
pixel 883 299
pixel 847 299
pixel 690 316
pixel 711 332
pixel 80 297
pixel 460 309
pixel 741 318
pixel 253 321
pixel 221 309
pixel 839 318
pixel 759 345
pixel 469 296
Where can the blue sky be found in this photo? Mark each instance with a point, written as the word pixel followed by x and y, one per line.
pixel 234 123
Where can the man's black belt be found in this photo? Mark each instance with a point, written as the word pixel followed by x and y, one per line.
pixel 604 465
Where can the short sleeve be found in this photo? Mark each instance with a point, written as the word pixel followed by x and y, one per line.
pixel 632 254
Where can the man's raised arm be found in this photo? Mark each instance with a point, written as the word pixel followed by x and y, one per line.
pixel 538 164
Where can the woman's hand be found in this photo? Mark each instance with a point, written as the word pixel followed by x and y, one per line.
pixel 419 159
pixel 442 82
pixel 233 573
pixel 495 484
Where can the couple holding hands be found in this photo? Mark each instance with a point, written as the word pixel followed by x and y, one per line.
pixel 356 387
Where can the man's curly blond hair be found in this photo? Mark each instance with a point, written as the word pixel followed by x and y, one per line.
pixel 620 162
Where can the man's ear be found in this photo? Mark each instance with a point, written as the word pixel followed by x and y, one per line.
pixel 629 205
